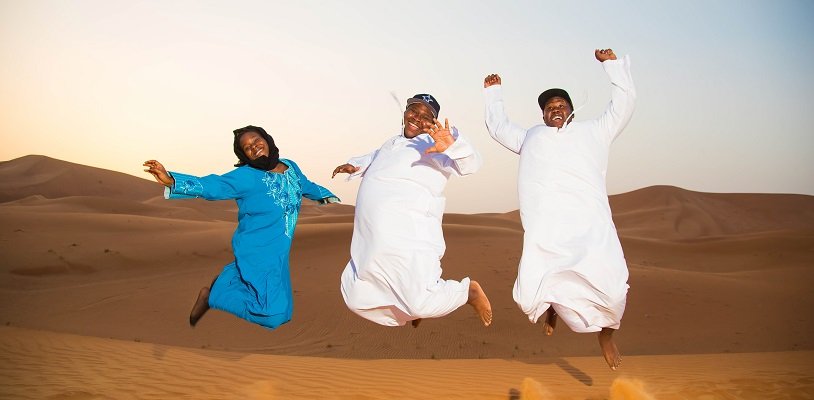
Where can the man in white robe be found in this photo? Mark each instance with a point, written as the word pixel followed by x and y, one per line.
pixel 394 274
pixel 572 264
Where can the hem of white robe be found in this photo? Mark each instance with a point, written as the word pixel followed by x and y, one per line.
pixel 574 318
pixel 577 323
pixel 383 315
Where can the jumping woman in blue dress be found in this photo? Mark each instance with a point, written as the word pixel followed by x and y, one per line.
pixel 256 286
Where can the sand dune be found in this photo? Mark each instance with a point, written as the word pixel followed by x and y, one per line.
pixel 40 365
pixel 711 274
pixel 666 212
pixel 51 178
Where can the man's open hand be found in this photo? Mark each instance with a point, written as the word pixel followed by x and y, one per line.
pixel 344 168
pixel 441 135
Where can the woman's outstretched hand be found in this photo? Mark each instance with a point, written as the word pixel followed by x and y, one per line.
pixel 158 172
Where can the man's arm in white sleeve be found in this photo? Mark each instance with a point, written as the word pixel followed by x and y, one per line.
pixel 500 128
pixel 361 162
pixel 460 158
pixel 623 98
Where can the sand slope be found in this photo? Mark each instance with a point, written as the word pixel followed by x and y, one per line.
pixel 710 273
pixel 40 365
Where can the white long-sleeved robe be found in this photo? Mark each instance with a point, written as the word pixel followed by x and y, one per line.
pixel 394 274
pixel 572 259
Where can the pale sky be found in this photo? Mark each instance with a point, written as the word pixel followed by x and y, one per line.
pixel 723 86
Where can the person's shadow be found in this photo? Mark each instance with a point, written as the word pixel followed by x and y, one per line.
pixel 576 373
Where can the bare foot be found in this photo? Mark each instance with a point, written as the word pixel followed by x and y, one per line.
pixel 550 321
pixel 609 350
pixel 478 300
pixel 200 307
pixel 415 322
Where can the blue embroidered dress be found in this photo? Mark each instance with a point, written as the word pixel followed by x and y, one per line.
pixel 256 286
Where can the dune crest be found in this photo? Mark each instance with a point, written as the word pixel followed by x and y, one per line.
pixel 102 255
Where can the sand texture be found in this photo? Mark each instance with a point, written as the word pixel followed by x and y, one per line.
pixel 99 273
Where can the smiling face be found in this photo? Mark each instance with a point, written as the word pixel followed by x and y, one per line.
pixel 418 119
pixel 253 145
pixel 555 112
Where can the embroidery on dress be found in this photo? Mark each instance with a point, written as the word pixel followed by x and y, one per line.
pixel 189 185
pixel 286 191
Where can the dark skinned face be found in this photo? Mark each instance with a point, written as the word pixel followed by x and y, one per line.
pixel 556 111
pixel 417 120
pixel 254 145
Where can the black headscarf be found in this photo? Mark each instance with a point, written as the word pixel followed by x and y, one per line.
pixel 263 163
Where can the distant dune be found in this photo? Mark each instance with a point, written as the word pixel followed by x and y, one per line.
pixel 91 252
pixel 51 178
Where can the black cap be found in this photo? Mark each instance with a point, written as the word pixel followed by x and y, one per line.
pixel 548 94
pixel 427 100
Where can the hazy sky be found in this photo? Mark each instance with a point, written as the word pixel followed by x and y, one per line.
pixel 724 87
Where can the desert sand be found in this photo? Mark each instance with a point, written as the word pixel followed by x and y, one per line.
pixel 99 273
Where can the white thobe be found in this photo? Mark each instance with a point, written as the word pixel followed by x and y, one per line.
pixel 572 259
pixel 394 274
